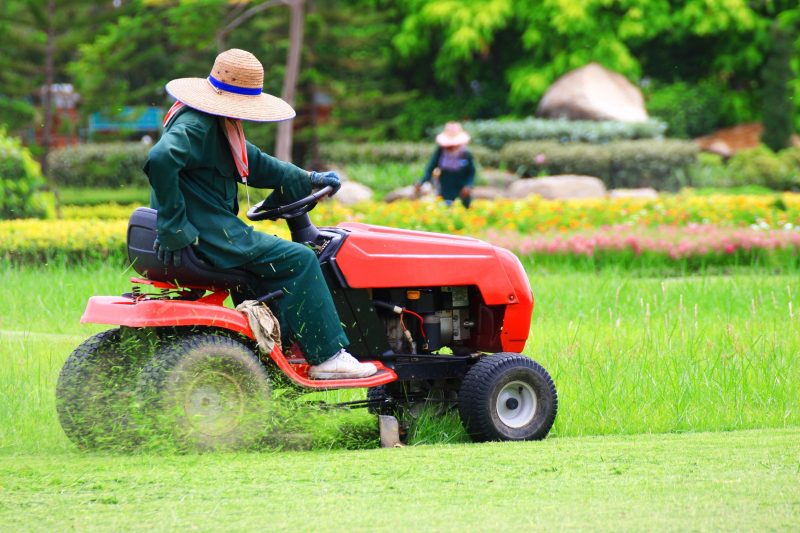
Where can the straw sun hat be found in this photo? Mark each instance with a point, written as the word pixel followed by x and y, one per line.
pixel 452 135
pixel 233 89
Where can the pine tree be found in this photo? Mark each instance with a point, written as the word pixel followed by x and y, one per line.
pixel 778 103
pixel 351 61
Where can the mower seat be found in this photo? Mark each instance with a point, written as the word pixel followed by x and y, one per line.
pixel 193 270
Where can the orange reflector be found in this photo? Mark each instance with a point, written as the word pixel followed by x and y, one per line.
pixel 413 295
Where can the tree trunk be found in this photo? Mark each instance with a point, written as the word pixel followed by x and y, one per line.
pixel 47 98
pixel 283 143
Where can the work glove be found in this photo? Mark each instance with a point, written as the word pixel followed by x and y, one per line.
pixel 323 179
pixel 167 257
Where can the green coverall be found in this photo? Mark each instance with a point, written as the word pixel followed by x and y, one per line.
pixel 194 189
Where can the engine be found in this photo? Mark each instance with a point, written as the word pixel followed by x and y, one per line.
pixel 425 320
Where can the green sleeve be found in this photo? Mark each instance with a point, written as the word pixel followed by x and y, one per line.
pixel 290 183
pixel 433 163
pixel 470 170
pixel 163 167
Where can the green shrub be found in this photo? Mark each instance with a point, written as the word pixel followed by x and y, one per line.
pixel 710 171
pixel 689 110
pixel 761 166
pixel 108 165
pixel 645 163
pixel 21 182
pixel 748 170
pixel 343 153
pixel 791 156
pixel 496 134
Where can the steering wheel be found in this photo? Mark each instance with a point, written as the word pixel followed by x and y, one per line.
pixel 295 209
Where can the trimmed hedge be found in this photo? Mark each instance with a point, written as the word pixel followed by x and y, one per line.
pixel 21 183
pixel 496 134
pixel 343 153
pixel 107 165
pixel 660 164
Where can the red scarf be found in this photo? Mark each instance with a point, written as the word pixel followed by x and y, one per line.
pixel 235 135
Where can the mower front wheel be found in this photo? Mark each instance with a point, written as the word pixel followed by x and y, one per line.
pixel 206 392
pixel 507 397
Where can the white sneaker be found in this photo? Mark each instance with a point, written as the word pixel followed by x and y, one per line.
pixel 342 366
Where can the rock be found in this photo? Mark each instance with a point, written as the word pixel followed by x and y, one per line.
pixel 487 193
pixel 720 148
pixel 593 92
pixel 407 193
pixel 644 192
pixel 352 193
pixel 727 141
pixel 498 178
pixel 561 187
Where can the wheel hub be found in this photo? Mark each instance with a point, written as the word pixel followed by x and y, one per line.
pixel 214 403
pixel 516 404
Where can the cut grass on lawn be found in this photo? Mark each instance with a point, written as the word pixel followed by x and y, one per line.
pixel 734 481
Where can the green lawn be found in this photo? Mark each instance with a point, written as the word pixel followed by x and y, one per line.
pixel 688 482
pixel 628 355
pixel 648 363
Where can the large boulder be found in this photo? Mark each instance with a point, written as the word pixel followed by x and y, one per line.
pixel 352 193
pixel 558 187
pixel 593 92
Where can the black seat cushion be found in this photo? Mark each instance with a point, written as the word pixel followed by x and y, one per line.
pixel 193 270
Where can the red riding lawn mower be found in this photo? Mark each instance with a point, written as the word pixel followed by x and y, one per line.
pixel 443 317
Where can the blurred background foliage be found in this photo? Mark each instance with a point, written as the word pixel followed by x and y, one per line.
pixel 394 69
pixel 379 77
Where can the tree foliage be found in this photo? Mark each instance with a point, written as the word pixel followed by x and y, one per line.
pixel 682 40
pixel 24 25
pixel 398 68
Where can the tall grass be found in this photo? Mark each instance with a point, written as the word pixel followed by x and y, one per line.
pixel 628 354
pixel 682 354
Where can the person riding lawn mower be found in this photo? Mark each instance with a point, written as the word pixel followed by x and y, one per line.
pixel 194 171
pixel 416 318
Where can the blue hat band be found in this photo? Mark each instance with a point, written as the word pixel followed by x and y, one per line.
pixel 247 91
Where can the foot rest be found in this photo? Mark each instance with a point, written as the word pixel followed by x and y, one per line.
pixel 299 374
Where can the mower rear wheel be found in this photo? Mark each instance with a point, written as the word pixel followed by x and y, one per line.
pixel 507 397
pixel 206 392
pixel 94 393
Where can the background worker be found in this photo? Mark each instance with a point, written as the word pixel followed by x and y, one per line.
pixel 451 167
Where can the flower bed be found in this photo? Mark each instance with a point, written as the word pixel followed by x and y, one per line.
pixel 693 246
pixel 672 228
pixel 535 215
